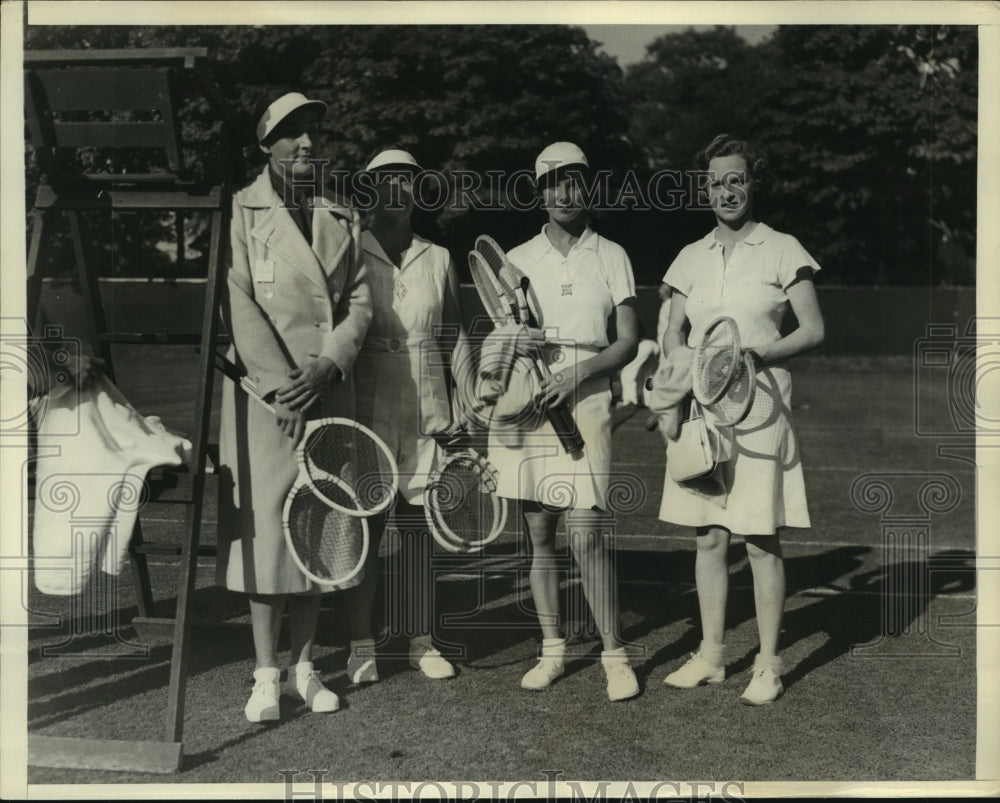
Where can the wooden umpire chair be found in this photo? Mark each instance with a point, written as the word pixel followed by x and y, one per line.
pixel 132 99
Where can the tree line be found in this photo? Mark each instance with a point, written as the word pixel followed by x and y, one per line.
pixel 870 132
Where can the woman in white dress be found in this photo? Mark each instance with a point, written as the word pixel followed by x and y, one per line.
pixel 402 394
pixel 578 282
pixel 752 273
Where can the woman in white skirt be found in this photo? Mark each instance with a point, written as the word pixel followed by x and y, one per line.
pixel 752 273
pixel 578 282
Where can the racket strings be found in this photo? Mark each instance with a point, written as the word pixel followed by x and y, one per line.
pixel 734 403
pixel 490 251
pixel 462 503
pixel 718 371
pixel 354 458
pixel 486 286
pixel 507 278
pixel 716 360
pixel 329 544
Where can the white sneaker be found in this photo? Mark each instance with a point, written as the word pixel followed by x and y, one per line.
pixel 361 666
pixel 622 683
pixel 695 672
pixel 765 685
pixel 307 686
pixel 551 665
pixel 263 703
pixel 431 663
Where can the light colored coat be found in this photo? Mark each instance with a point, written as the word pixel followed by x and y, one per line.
pixel 287 303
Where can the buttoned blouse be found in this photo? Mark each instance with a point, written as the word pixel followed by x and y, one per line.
pixel 750 286
pixel 407 301
pixel 575 295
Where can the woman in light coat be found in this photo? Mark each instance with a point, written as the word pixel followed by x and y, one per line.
pixel 297 307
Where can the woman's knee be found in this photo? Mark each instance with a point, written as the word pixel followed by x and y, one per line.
pixel 541 529
pixel 712 539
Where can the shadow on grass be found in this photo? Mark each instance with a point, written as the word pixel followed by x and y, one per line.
pixel 886 613
pixel 485 619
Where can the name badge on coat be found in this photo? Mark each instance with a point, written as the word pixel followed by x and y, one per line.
pixel 264 271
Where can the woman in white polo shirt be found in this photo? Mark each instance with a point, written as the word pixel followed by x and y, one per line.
pixel 402 394
pixel 579 282
pixel 744 269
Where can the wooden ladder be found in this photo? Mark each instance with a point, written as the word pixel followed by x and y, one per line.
pixel 130 99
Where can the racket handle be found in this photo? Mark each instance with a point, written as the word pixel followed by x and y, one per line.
pixel 564 424
pixel 251 390
pixel 652 422
pixel 523 313
pixel 229 369
pixel 527 316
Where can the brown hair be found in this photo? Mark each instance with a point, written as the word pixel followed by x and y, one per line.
pixel 727 145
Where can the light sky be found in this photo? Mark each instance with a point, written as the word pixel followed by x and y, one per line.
pixel 628 43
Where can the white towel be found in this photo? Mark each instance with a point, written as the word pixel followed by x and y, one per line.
pixel 94 452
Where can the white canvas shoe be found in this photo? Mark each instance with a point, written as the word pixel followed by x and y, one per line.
pixel 263 703
pixel 306 686
pixel 551 665
pixel 765 685
pixel 622 682
pixel 695 672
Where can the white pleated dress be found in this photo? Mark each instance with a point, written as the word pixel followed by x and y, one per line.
pixel 764 479
pixel 574 297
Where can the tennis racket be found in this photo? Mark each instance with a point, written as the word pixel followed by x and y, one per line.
pixel 460 499
pixel 735 403
pixel 717 359
pixel 323 519
pixel 723 376
pixel 514 283
pixel 327 544
pixel 500 309
pixel 340 449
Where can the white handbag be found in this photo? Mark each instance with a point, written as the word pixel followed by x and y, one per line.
pixel 697 451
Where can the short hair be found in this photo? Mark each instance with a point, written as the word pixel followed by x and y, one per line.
pixel 728 145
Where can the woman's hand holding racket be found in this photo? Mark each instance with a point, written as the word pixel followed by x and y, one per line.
pixel 346 474
pixel 291 422
pixel 514 286
pixel 308 382
pixel 722 375
pixel 558 388
pixel 460 498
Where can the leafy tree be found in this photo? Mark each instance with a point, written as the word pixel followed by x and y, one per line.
pixel 871 134
pixel 472 98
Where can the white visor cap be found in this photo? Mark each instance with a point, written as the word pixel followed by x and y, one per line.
pixel 559 155
pixel 393 158
pixel 283 107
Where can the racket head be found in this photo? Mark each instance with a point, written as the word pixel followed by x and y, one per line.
pixel 329 546
pixel 461 503
pixel 510 278
pixel 349 452
pixel 489 290
pixel 717 358
pixel 735 403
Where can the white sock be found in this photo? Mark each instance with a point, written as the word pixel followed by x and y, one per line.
pixel 303 668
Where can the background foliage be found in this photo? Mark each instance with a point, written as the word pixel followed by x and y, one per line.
pixel 870 130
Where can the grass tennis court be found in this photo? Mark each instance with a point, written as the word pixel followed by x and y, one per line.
pixel 906 710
